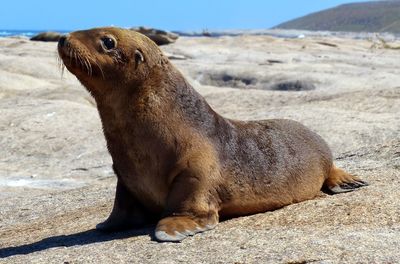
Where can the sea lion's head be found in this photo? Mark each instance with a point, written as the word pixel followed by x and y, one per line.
pixel 105 58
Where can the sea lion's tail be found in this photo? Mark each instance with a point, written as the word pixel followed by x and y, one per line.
pixel 340 181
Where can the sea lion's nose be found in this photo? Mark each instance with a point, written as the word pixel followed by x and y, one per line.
pixel 62 41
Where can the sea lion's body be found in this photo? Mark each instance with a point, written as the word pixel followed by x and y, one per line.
pixel 177 159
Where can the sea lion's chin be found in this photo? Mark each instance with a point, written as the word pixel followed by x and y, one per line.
pixel 74 68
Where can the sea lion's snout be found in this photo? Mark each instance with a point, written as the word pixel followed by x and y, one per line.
pixel 63 44
pixel 75 56
pixel 62 41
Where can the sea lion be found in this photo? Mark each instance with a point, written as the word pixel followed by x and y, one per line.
pixel 177 160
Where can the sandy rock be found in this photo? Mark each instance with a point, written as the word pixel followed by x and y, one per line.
pixel 56 181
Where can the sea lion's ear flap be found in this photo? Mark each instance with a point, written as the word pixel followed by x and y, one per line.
pixel 139 58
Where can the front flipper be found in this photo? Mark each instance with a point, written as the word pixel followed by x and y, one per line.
pixel 127 213
pixel 177 228
pixel 191 207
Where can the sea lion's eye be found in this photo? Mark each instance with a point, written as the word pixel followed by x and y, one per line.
pixel 108 43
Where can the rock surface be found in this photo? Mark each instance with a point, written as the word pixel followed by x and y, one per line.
pixel 56 180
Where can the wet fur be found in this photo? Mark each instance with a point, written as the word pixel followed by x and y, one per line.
pixel 175 158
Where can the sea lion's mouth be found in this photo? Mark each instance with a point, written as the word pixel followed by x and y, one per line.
pixel 76 59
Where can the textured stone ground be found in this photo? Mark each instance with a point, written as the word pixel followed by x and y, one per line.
pixel 56 180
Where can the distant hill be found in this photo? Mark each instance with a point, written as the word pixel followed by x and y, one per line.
pixel 379 16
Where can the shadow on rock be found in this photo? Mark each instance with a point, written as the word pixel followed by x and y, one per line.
pixel 78 239
pixel 245 79
pixel 296 85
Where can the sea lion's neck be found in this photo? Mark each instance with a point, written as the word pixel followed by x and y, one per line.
pixel 185 101
pixel 165 90
pixel 166 100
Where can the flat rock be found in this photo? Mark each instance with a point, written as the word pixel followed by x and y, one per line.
pixel 56 181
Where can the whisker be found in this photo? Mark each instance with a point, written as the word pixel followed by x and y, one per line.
pixel 86 65
pixel 61 65
pixel 70 55
pixel 62 70
pixel 76 57
pixel 101 70
pixel 90 67
pixel 81 62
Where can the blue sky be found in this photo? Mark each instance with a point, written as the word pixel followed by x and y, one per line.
pixel 165 14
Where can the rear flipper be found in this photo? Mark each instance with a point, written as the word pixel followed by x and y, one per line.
pixel 340 181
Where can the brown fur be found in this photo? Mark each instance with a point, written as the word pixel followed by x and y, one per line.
pixel 177 159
